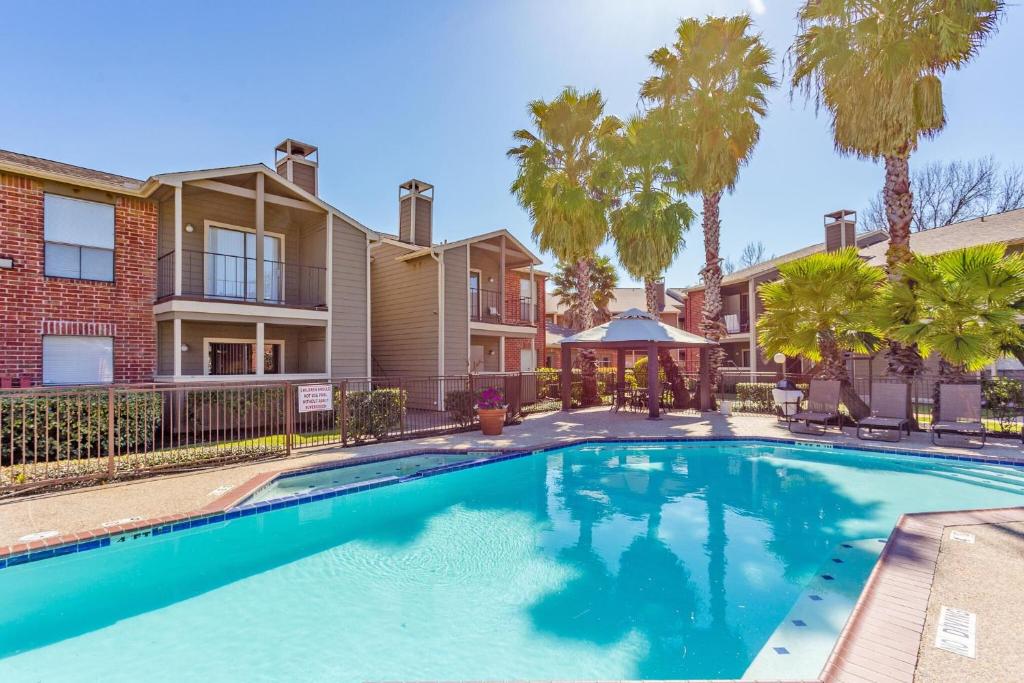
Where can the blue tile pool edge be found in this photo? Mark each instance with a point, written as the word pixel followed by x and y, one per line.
pixel 244 509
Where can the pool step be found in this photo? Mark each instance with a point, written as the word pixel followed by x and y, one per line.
pixel 803 641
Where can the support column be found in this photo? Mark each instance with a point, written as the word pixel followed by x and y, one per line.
pixel 752 326
pixel 566 377
pixel 329 294
pixel 259 349
pixel 620 377
pixel 501 280
pixel 653 387
pixel 501 353
pixel 259 239
pixel 177 347
pixel 178 232
pixel 705 380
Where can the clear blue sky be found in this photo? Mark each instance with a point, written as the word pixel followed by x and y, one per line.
pixel 432 90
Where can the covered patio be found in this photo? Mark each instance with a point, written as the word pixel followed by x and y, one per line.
pixel 631 330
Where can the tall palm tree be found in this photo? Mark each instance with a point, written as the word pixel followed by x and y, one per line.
pixel 711 87
pixel 649 220
pixel 963 304
pixel 876 66
pixel 559 162
pixel 822 306
pixel 603 281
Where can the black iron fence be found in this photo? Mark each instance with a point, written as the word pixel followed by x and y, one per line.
pixel 72 434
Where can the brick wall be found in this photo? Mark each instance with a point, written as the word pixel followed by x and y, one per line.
pixel 32 304
pixel 514 314
pixel 694 304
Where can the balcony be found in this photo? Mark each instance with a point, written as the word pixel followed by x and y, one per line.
pixel 485 307
pixel 226 277
pixel 736 322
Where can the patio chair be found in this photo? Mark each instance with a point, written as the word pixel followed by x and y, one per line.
pixel 888 410
pixel 822 405
pixel 959 412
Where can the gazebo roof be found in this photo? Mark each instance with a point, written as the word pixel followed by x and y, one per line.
pixel 636 328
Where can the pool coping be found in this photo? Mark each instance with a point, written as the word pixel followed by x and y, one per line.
pixel 879 642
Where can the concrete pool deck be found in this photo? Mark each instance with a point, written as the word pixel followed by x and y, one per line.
pixel 898 592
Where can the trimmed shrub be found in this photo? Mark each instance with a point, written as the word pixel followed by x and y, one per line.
pixel 74 424
pixel 460 404
pixel 640 372
pixel 1004 398
pixel 374 413
pixel 756 397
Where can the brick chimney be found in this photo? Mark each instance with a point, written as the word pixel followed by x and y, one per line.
pixel 298 162
pixel 416 212
pixel 840 229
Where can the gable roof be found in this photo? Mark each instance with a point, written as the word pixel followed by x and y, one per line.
pixel 771 264
pixel 417 251
pixel 27 164
pixel 1006 227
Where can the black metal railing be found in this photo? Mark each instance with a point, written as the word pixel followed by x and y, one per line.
pixel 485 306
pixel 212 275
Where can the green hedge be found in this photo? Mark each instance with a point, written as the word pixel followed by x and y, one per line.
pixel 375 413
pixel 1004 398
pixel 756 397
pixel 75 425
pixel 461 406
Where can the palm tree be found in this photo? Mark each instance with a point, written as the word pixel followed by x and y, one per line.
pixel 963 304
pixel 822 306
pixel 603 281
pixel 711 88
pixel 648 223
pixel 876 66
pixel 556 183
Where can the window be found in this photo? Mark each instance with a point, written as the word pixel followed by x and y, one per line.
pixel 79 238
pixel 229 357
pixel 78 360
pixel 231 265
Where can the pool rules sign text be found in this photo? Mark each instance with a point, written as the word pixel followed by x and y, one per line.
pixel 315 397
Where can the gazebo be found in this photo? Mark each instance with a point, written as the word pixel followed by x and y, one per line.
pixel 634 329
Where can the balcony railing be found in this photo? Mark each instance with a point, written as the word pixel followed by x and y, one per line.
pixel 485 307
pixel 227 277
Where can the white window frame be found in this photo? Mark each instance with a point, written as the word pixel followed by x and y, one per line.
pixel 112 249
pixel 479 293
pixel 78 336
pixel 227 340
pixel 207 224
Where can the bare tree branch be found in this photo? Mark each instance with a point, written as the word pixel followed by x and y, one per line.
pixel 954 191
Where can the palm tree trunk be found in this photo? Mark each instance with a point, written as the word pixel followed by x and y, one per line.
pixel 903 360
pixel 588 359
pixel 833 366
pixel 651 292
pixel 711 322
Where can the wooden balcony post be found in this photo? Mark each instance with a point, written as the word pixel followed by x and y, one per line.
pixel 259 239
pixel 501 280
pixel 176 351
pixel 705 380
pixel 178 232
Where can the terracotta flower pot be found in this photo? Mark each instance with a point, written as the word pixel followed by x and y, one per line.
pixel 492 420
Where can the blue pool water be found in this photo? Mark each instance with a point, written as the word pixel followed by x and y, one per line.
pixel 613 561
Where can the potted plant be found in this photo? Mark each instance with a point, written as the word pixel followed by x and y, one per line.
pixel 491 408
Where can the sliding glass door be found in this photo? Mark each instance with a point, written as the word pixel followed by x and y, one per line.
pixel 231 265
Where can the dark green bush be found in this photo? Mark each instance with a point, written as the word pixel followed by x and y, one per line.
pixel 1004 398
pixel 374 413
pixel 75 424
pixel 461 406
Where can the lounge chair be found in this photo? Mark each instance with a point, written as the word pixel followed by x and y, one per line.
pixel 888 409
pixel 822 405
pixel 959 412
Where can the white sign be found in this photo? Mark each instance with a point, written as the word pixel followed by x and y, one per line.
pixel 956 632
pixel 315 397
pixel 961 536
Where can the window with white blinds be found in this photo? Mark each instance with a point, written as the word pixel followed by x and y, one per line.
pixel 78 360
pixel 79 238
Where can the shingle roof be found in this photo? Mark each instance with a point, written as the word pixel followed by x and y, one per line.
pixel 625 298
pixel 554 334
pixel 33 164
pixel 634 325
pixel 1007 227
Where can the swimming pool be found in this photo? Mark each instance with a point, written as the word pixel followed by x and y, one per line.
pixel 604 561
